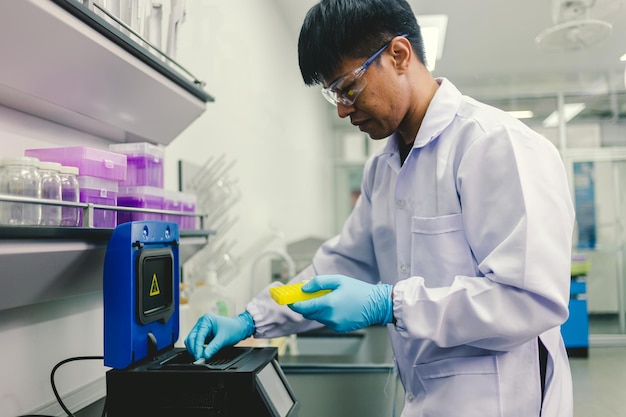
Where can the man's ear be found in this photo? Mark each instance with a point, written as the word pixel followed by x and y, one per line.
pixel 401 51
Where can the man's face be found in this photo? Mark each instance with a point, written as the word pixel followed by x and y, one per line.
pixel 377 110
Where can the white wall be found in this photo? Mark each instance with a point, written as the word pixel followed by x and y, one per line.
pixel 263 117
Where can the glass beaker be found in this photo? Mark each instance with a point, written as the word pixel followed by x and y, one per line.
pixel 51 190
pixel 19 176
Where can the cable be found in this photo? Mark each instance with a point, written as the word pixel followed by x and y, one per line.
pixel 54 388
pixel 56 393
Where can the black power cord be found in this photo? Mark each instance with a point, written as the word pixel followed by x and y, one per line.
pixel 54 388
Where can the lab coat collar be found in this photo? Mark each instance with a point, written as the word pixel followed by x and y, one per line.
pixel 439 115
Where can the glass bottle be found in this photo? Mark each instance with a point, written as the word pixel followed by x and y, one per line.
pixel 51 190
pixel 19 176
pixel 70 191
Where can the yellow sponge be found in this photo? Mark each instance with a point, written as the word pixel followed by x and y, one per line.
pixel 292 293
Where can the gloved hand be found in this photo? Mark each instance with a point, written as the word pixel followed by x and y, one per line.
pixel 352 304
pixel 225 331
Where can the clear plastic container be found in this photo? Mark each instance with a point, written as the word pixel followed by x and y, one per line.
pixel 188 205
pixel 182 202
pixel 139 197
pixel 171 202
pixel 70 191
pixel 99 191
pixel 91 162
pixel 144 163
pixel 19 176
pixel 49 173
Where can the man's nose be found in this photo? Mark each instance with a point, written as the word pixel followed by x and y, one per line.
pixel 344 110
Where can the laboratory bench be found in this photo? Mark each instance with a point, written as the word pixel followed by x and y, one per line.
pixel 336 375
pixel 325 348
pixel 349 374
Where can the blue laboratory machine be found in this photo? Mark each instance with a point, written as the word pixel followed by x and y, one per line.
pixel 149 376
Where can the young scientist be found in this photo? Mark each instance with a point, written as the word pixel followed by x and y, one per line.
pixel 460 241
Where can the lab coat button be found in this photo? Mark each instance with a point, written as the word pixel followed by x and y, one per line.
pixel 403 268
pixel 410 397
pixel 400 204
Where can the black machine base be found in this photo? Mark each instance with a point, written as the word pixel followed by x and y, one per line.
pixel 242 382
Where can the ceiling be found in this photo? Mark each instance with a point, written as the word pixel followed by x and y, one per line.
pixel 491 54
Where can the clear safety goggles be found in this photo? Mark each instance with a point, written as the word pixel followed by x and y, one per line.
pixel 347 88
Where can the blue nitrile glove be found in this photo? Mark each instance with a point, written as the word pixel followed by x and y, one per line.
pixel 222 331
pixel 352 304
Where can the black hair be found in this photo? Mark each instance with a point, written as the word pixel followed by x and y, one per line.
pixel 338 29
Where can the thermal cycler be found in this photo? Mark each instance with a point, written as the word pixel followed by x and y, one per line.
pixel 149 376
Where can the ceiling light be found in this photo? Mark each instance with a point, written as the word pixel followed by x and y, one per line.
pixel 433 29
pixel 570 111
pixel 521 114
pixel 623 58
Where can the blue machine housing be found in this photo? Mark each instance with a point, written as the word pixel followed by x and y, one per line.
pixel 141 292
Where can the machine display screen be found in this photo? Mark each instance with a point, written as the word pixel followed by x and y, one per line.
pixel 275 392
pixel 155 285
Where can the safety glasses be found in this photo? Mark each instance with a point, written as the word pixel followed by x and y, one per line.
pixel 347 88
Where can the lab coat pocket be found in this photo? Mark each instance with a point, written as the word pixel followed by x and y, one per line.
pixel 440 250
pixel 467 387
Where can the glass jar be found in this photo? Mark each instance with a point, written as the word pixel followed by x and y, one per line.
pixel 70 191
pixel 51 190
pixel 19 176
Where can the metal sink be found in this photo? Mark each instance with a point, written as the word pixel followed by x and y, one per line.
pixel 328 345
pixel 354 373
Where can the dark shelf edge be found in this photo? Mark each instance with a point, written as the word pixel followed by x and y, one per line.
pixel 94 21
pixel 75 233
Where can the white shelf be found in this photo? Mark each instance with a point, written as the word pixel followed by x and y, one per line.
pixel 61 62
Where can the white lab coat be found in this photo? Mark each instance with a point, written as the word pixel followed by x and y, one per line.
pixel 474 231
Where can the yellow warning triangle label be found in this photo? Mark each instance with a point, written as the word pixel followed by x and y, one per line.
pixel 154 287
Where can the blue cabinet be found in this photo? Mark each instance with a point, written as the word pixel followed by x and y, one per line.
pixel 575 330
